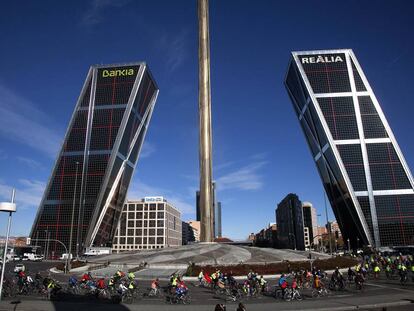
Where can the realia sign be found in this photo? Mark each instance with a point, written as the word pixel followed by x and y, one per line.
pixel 321 59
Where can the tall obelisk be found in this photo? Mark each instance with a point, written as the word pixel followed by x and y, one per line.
pixel 204 106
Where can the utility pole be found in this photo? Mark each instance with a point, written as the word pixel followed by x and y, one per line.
pixel 204 106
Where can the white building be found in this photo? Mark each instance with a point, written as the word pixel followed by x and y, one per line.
pixel 149 223
pixel 307 237
pixel 310 219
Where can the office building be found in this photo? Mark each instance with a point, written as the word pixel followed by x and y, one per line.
pixel 289 219
pixel 333 228
pixel 195 225
pixel 266 237
pixel 217 224
pixel 191 231
pixel 363 170
pixel 150 223
pixel 310 220
pixel 97 159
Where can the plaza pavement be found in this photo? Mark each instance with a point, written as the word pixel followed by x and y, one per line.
pixel 164 262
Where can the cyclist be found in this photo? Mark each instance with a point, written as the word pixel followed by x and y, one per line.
pixel 122 289
pixel 262 283
pixel 350 274
pixel 283 284
pixel 118 276
pixel 86 277
pixel 377 270
pixel 154 286
pixel 403 274
pixel 101 283
pixel 181 289
pixel 111 284
pixel 412 271
pixel 359 280
pixel 200 277
pixel 72 281
pixel 131 276
pixel 131 285
pixel 214 279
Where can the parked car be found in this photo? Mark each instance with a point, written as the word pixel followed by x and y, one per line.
pixel 19 267
pixel 36 258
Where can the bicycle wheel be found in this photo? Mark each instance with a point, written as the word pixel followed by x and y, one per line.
pixel 186 299
pixel 315 293
pixel 298 296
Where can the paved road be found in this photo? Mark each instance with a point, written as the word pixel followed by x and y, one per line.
pixel 31 266
pixel 376 295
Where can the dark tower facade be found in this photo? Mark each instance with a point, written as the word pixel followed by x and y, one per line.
pixel 363 170
pixel 99 154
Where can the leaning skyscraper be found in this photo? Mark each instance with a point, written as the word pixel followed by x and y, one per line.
pixel 363 170
pixel 91 176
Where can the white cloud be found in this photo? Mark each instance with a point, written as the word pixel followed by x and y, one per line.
pixel 23 123
pixel 30 162
pixel 175 48
pixel 245 178
pixel 28 193
pixel 147 149
pixel 93 15
pixel 139 190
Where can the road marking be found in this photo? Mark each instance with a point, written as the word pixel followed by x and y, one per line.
pixel 389 287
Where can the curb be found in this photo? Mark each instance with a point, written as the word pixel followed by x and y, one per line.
pixel 267 277
pixel 368 306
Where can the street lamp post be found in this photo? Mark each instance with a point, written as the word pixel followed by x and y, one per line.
pixel 47 244
pixel 10 208
pixel 73 214
pixel 357 244
pixel 349 246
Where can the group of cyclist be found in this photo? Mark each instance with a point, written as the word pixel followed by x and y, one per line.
pixel 395 267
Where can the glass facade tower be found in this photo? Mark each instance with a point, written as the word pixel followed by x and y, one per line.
pixel 99 154
pixel 363 170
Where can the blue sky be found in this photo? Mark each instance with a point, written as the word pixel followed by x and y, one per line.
pixel 260 153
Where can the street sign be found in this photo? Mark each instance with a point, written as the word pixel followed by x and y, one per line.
pixel 28 241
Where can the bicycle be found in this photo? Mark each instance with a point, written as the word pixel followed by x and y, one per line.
pixel 130 295
pixel 336 285
pixel 403 278
pixel 320 292
pixel 180 298
pixel 155 292
pixel 292 294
